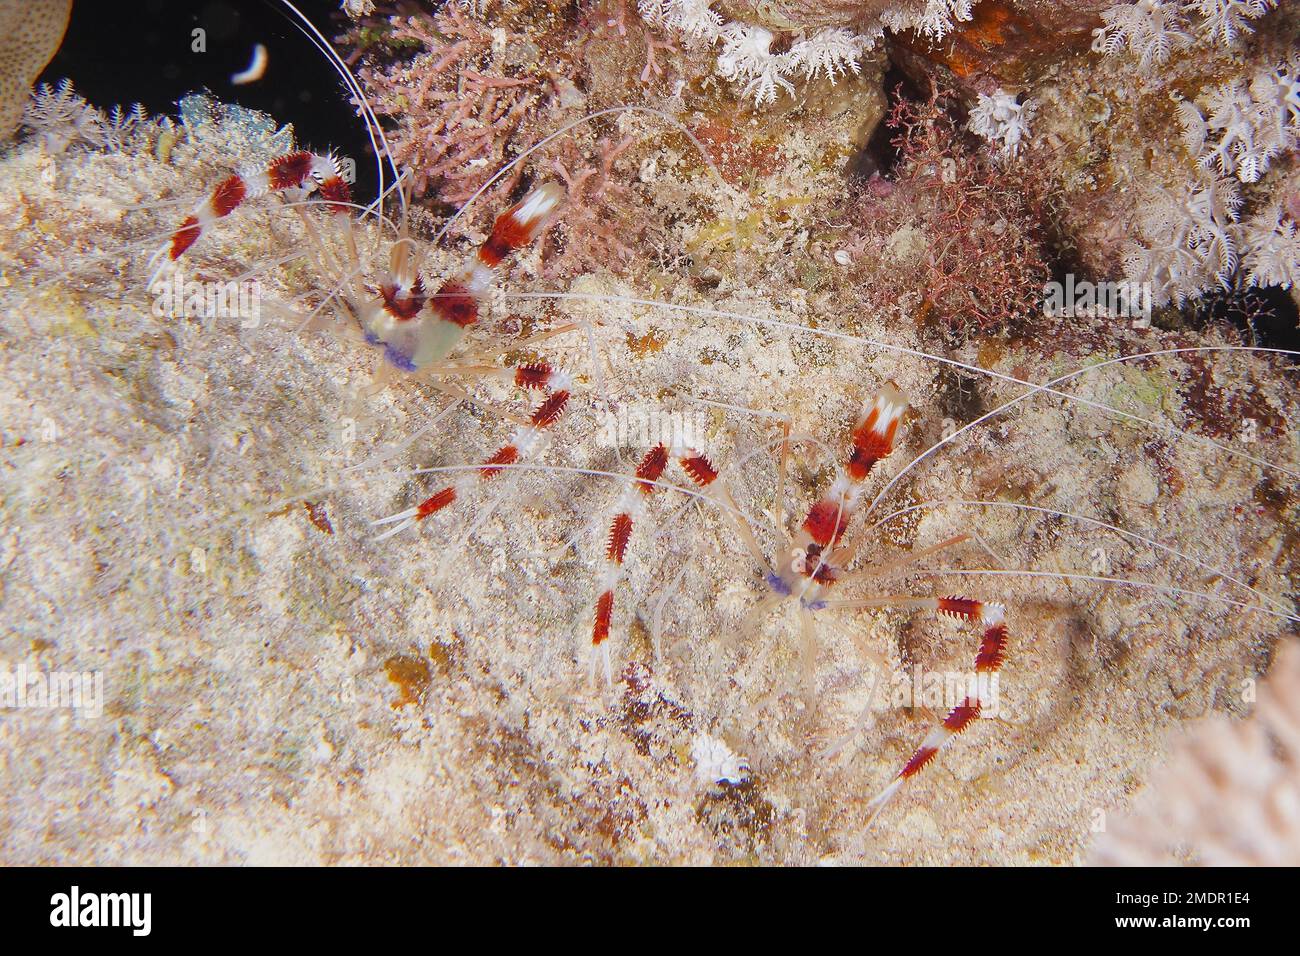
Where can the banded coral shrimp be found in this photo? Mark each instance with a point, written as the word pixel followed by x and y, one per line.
pixel 1095 569
pixel 482 634
pixel 992 618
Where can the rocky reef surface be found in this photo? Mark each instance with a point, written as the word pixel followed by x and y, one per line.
pixel 809 204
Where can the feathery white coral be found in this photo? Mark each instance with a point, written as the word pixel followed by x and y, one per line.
pixel 691 17
pixel 1247 125
pixel 123 126
pixel 61 117
pixel 1002 121
pixel 1187 241
pixel 1151 29
pixel 1276 95
pixel 746 57
pixel 831 51
pixel 1223 21
pixel 1271 249
pixel 716 763
pixel 1231 116
pixel 933 19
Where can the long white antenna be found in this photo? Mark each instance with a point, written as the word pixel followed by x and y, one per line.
pixel 373 128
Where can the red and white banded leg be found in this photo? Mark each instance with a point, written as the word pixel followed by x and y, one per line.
pixel 828 518
pixel 628 511
pixel 300 170
pixel 988 661
pixel 522 445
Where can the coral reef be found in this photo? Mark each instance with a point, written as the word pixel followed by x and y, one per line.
pixel 757 250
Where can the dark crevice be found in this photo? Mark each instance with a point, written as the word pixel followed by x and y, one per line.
pixel 1266 316
pixel 880 154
